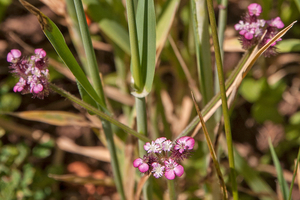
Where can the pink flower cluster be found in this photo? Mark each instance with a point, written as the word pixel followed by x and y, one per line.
pixel 251 28
pixel 32 72
pixel 163 157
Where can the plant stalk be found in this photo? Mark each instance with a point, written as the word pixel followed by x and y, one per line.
pixel 223 97
pixel 141 120
pixel 171 189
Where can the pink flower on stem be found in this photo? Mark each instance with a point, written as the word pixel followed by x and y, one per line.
pixel 13 55
pixel 20 85
pixel 158 170
pixel 173 169
pixel 151 147
pixel 254 9
pixel 167 145
pixel 184 143
pixel 141 165
pixel 276 23
pixel 33 73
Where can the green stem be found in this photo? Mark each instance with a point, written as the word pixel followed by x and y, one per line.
pixel 141 120
pixel 221 29
pixel 223 97
pixel 171 188
pixel 135 58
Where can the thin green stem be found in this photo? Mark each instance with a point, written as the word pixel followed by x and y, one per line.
pixel 141 120
pixel 101 114
pixel 223 97
pixel 135 58
pixel 221 29
pixel 171 188
pixel 294 175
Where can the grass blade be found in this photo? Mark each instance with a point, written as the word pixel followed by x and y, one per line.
pixel 146 23
pixel 212 151
pixel 282 183
pixel 294 175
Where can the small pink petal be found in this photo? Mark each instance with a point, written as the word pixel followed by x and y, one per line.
pixel 40 52
pixel 38 88
pixel 190 142
pixel 160 140
pixel 277 22
pixel 170 174
pixel 137 162
pixel 248 36
pixel 13 54
pixel 179 170
pixel 144 167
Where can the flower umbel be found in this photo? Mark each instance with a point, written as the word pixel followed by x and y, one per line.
pixel 163 157
pixel 251 29
pixel 32 72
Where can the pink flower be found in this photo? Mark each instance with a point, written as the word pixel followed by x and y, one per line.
pixel 33 73
pixel 20 85
pixel 141 165
pixel 276 23
pixel 159 142
pixel 184 143
pixel 39 54
pixel 167 145
pixel 151 148
pixel 157 170
pixel 13 55
pixel 254 9
pixel 173 169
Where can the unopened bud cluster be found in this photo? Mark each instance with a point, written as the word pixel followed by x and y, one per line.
pixel 163 157
pixel 251 28
pixel 32 72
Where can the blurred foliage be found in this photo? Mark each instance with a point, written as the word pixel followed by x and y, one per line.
pixel 22 180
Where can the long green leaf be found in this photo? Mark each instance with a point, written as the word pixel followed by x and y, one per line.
pixel 146 22
pixel 282 183
pixel 57 40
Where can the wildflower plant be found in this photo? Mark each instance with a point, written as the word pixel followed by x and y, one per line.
pixel 251 29
pixel 163 156
pixel 32 72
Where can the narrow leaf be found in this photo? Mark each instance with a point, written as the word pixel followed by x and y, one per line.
pixel 282 183
pixel 212 151
pixel 57 118
pixel 145 22
pixel 294 175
